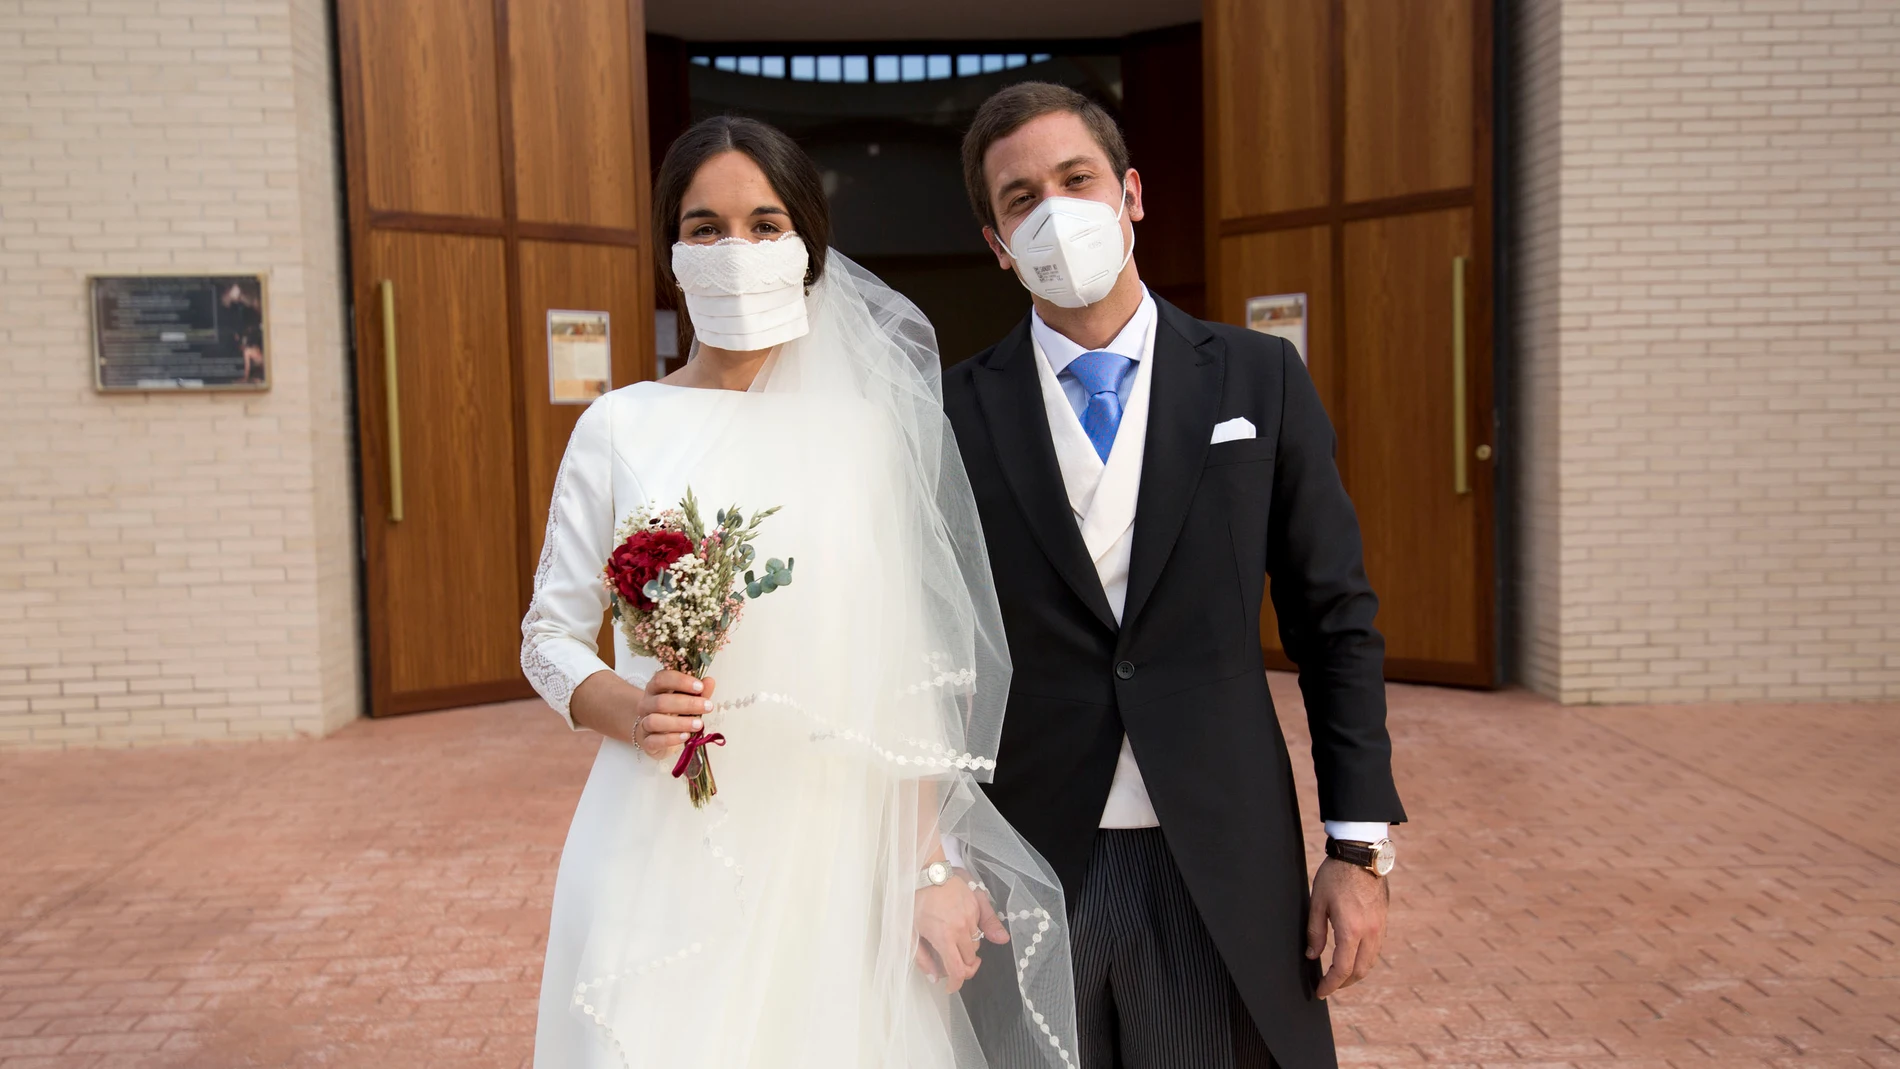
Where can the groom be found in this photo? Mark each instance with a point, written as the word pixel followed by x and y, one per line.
pixel 1140 475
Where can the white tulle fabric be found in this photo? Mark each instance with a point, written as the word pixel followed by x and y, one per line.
pixel 862 705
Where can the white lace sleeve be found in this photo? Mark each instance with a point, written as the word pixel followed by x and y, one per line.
pixel 559 634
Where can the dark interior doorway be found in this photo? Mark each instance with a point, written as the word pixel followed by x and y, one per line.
pixel 884 121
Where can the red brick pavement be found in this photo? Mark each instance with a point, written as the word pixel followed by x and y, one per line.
pixel 1705 886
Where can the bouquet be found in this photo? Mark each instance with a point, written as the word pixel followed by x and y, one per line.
pixel 678 590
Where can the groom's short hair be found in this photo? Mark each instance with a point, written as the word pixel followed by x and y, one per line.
pixel 1009 110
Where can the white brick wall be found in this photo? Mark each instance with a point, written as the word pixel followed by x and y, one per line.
pixel 1725 367
pixel 171 566
pixel 1537 64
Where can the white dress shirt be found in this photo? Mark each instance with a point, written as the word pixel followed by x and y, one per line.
pixel 1102 496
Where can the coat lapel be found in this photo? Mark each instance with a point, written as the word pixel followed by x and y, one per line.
pixel 1184 397
pixel 1011 399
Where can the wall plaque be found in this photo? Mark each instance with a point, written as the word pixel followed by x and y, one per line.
pixel 1282 315
pixel 580 356
pixel 179 332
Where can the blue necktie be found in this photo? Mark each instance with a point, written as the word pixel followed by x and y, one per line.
pixel 1100 373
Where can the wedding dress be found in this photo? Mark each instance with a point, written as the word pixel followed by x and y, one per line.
pixel 861 706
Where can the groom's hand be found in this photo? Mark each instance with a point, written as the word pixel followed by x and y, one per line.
pixel 951 921
pixel 1354 902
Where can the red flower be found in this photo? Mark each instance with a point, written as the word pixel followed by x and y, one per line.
pixel 643 557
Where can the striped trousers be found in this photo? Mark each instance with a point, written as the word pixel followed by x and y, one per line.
pixel 1151 990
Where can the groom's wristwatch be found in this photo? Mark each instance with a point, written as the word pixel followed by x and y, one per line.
pixel 935 874
pixel 1376 858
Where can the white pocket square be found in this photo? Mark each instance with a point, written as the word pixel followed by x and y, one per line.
pixel 1232 431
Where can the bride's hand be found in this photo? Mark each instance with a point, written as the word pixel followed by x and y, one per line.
pixel 951 920
pixel 670 710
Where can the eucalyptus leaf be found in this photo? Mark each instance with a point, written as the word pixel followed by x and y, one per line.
pixel 754 590
pixel 774 565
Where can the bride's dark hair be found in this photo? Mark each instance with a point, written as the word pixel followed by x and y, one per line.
pixel 792 173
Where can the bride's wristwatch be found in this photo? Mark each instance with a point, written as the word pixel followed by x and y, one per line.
pixel 935 874
pixel 1376 858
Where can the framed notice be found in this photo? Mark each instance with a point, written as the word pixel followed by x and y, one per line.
pixel 580 356
pixel 179 332
pixel 1282 315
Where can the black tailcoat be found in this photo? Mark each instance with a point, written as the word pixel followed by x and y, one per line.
pixel 1183 674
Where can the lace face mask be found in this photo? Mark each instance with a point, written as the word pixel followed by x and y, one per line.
pixel 744 295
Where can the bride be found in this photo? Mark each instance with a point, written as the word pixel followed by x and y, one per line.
pixel 829 904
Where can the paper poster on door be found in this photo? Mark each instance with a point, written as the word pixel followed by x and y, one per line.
pixel 1282 315
pixel 580 357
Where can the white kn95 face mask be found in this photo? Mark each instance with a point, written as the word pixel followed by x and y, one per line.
pixel 1069 251
pixel 744 295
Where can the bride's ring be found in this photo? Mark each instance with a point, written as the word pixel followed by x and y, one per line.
pixel 978 937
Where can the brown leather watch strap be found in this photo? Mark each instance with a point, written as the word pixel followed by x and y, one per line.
pixel 1360 854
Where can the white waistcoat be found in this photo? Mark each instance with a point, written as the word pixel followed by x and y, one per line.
pixel 1102 499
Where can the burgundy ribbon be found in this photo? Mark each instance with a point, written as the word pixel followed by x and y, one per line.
pixel 694 745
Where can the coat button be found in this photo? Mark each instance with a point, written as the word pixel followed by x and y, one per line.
pixel 1125 670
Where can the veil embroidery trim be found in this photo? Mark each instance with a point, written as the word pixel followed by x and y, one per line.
pixel 944 757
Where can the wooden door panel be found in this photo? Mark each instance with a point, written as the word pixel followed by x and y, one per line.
pixel 1349 157
pixel 448 572
pixel 1283 261
pixel 596 278
pixel 496 166
pixel 1409 110
pixel 573 112
pixel 431 140
pixel 1266 90
pixel 1422 536
pixel 1161 94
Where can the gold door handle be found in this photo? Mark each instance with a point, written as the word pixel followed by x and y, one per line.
pixel 392 400
pixel 1460 470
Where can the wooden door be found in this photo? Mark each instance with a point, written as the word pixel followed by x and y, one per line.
pixel 1349 159
pixel 1161 94
pixel 496 164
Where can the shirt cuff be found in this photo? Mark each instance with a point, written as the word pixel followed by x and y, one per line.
pixel 1357 831
pixel 953 853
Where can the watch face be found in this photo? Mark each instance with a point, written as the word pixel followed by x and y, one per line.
pixel 938 872
pixel 1383 858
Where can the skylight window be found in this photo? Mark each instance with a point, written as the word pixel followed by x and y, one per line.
pixel 919 67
